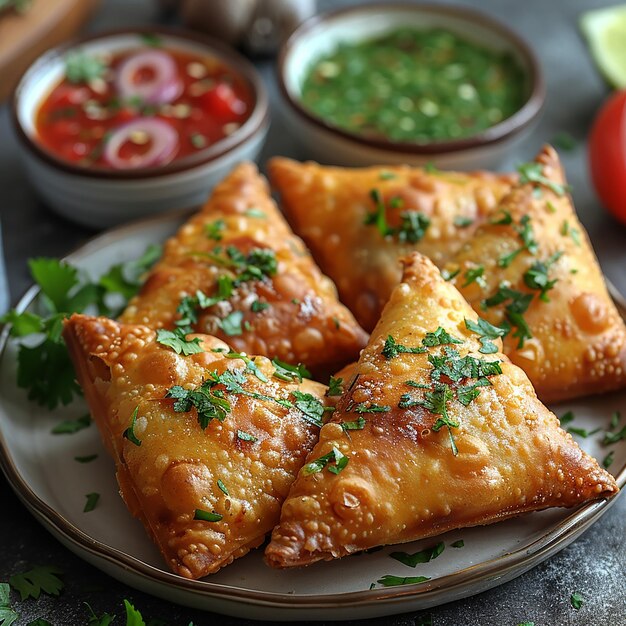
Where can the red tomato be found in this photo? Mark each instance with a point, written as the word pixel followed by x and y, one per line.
pixel 222 102
pixel 607 154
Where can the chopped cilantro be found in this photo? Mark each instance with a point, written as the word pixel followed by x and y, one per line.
pixel 257 306
pixel 448 275
pixel 363 407
pixel 334 386
pixel 413 224
pixel 431 168
pixel 505 220
pixel 457 544
pixel 40 578
pixel 392 349
pixel 177 340
pixel 439 337
pixel 516 305
pixel 462 221
pixel 610 438
pixel 576 600
pixel 358 424
pixel 582 432
pixel 222 487
pixel 231 324
pixel 564 141
pixel 7 615
pixel 244 436
pixel 251 366
pixel 566 418
pixel 608 459
pixel 256 213
pixel 423 556
pixel 335 461
pixel 533 173
pixel 475 275
pixel 574 233
pixel 525 232
pixel 208 402
pixel 486 333
pixel 129 433
pixel 537 276
pixel 83 68
pixel 86 459
pixel 290 373
pixel 393 581
pixel 69 427
pixel 92 501
pixel 207 516
pixel 386 175
pixel 133 616
pixel 312 409
pixel 214 229
pixel 151 39
pixel 104 620
pixel 616 416
pixel 378 216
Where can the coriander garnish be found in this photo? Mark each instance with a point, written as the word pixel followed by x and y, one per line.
pixel 244 436
pixel 462 221
pixel 92 501
pixel 207 516
pixel 457 544
pixel 516 304
pixel 486 332
pixel 576 600
pixel 574 233
pixel 608 459
pixel 392 581
pixel 537 276
pixel 214 229
pixel 335 461
pixel 475 275
pixel 222 487
pixel 231 324
pixel 41 578
pixel 364 407
pixel 392 349
pixel 358 424
pixel 129 433
pixel 69 427
pixel 413 224
pixel 533 173
pixel 423 556
pixel 334 386
pixel 177 340
pixel 290 373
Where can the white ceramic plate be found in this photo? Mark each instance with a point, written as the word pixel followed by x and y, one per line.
pixel 41 468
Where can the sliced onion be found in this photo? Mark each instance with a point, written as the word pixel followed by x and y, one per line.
pixel 163 138
pixel 163 88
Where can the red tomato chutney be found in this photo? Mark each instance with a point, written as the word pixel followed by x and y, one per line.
pixel 144 107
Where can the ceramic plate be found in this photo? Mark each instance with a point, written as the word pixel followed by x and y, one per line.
pixel 41 468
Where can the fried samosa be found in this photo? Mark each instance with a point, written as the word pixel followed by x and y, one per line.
pixel 532 271
pixel 437 431
pixel 237 272
pixel 206 445
pixel 359 222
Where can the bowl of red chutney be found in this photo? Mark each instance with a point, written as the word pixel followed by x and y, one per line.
pixel 127 124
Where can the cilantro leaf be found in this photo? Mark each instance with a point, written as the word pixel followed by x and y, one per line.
pixel 222 487
pixel 461 221
pixel 335 461
pixel 44 578
pixel 392 348
pixel 439 337
pixel 310 406
pixel 129 433
pixel 207 516
pixel 7 614
pixel 56 279
pixel 290 373
pixel 257 306
pixel 566 418
pixel 363 407
pixel 104 620
pixel 83 68
pixel 244 436
pixel 413 226
pixel 250 365
pixel 24 323
pixel 457 544
pixel 92 502
pixel 533 173
pixel 86 459
pixel 486 333
pixel 576 600
pixel 334 387
pixel 475 275
pixel 214 229
pixel 177 340
pixel 231 324
pixel 358 424
pixel 133 616
pixel 516 303
pixel 423 556
pixel 393 581
pixel 608 459
pixel 209 403
pixel 69 427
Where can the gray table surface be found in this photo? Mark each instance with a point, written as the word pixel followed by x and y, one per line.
pixel 594 565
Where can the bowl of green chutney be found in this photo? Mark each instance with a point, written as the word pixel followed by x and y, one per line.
pixel 410 83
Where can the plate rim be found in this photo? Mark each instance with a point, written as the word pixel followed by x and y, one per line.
pixel 497 569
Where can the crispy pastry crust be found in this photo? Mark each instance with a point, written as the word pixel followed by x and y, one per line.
pixel 175 469
pixel 328 206
pixel 578 343
pixel 304 323
pixel 403 481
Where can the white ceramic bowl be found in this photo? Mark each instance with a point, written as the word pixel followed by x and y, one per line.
pixel 322 34
pixel 102 198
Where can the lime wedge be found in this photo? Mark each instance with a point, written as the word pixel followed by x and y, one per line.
pixel 605 30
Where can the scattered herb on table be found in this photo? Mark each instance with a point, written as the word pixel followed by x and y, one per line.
pixel 576 600
pixel 69 427
pixel 41 578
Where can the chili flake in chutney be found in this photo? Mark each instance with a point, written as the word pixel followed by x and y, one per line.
pixel 416 86
pixel 143 107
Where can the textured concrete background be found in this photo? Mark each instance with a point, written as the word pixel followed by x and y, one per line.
pixel 594 565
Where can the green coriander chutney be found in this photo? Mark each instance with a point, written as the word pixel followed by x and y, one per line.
pixel 415 86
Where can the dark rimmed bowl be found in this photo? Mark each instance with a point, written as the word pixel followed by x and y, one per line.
pixel 322 34
pixel 100 197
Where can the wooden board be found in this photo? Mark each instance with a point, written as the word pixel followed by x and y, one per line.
pixel 23 37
